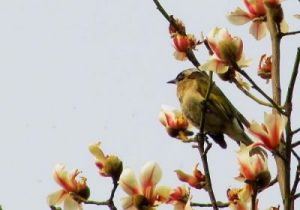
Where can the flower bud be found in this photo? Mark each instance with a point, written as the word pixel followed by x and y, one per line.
pixel 265 67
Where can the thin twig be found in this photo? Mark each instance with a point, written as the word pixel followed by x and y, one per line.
pixel 295 144
pixel 289 33
pixel 190 54
pixel 253 198
pixel 250 95
pixel 296 181
pixel 296 131
pixel 296 196
pixel 201 137
pixel 296 155
pixel 256 87
pixel 289 96
pixel 219 204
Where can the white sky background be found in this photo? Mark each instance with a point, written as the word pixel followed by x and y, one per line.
pixel 74 72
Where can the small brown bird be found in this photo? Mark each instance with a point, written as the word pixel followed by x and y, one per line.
pixel 220 117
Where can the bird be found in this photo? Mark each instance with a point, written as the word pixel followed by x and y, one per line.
pixel 221 117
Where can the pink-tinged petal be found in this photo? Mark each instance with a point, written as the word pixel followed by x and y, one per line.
pixel 62 178
pixel 97 152
pixel 181 56
pixel 238 17
pixel 238 43
pixel 284 27
pixel 71 204
pixel 255 7
pixel 258 29
pixel 243 62
pixel 213 40
pixel 162 193
pixel 56 198
pixel 149 177
pixel 128 182
pixel 260 132
pixel 215 65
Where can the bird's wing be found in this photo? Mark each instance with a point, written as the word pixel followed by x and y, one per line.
pixel 218 102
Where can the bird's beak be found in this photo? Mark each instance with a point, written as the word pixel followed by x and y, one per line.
pixel 173 81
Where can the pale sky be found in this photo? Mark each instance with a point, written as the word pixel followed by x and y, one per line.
pixel 75 72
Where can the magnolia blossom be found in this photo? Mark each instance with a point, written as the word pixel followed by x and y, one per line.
pixel 253 165
pixel 269 133
pixel 256 13
pixel 227 50
pixel 180 198
pixel 109 165
pixel 146 194
pixel 175 122
pixel 239 197
pixel 265 67
pixel 196 180
pixel 182 43
pixel 69 185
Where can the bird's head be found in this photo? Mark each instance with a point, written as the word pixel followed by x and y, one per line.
pixel 191 73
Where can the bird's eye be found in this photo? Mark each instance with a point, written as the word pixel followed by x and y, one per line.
pixel 180 77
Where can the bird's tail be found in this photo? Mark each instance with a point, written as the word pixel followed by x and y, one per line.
pixel 237 133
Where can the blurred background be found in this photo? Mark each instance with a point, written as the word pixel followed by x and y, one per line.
pixel 75 72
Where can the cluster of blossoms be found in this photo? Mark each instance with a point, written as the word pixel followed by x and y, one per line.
pixel 256 14
pixel 71 187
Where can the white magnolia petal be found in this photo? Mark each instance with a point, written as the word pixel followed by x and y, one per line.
pixel 56 198
pixel 258 29
pixel 213 64
pixel 243 62
pixel 238 17
pixel 162 192
pixel 96 151
pixel 128 182
pixel 181 56
pixel 71 204
pixel 150 174
pixel 284 27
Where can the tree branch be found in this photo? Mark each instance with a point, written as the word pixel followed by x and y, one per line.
pixel 203 152
pixel 190 54
pixel 219 204
pixel 289 33
pixel 256 87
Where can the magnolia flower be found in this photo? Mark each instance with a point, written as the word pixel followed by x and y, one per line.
pixel 109 165
pixel 239 198
pixel 182 43
pixel 180 198
pixel 145 195
pixel 256 14
pixel 253 166
pixel 175 122
pixel 70 185
pixel 265 67
pixel 269 133
pixel 196 180
pixel 227 50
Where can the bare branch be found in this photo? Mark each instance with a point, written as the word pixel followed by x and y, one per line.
pixel 289 33
pixel 219 204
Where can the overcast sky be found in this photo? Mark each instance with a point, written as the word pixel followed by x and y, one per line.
pixel 74 72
